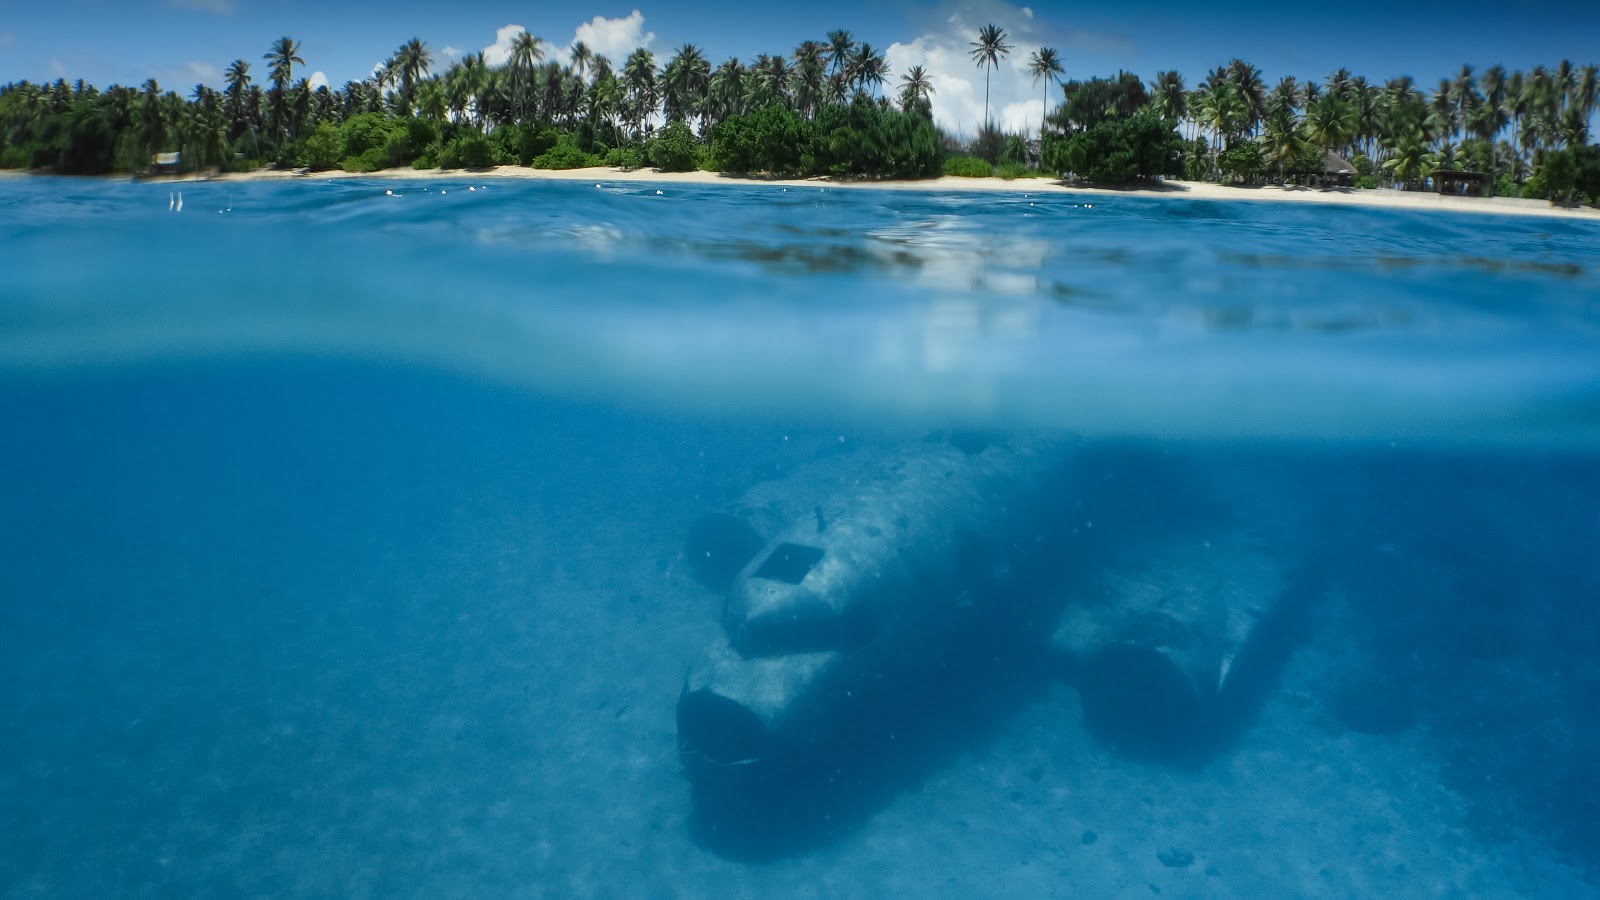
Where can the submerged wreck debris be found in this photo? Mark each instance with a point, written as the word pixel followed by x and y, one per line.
pixel 853 586
pixel 1157 646
pixel 860 586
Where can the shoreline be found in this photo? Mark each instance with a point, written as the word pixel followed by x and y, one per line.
pixel 1380 198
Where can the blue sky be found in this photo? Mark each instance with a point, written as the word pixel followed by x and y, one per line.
pixel 182 42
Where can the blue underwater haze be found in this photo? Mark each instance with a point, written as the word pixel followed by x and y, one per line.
pixel 343 536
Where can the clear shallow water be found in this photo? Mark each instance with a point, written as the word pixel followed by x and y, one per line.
pixel 1121 315
pixel 343 534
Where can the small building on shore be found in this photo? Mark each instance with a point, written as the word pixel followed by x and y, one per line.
pixel 165 163
pixel 1462 184
pixel 1337 171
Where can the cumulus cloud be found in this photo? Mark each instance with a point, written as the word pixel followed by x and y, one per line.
pixel 450 53
pixel 613 38
pixel 219 7
pixel 1016 100
pixel 499 52
pixel 318 79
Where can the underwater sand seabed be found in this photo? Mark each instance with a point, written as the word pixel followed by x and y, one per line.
pixel 346 537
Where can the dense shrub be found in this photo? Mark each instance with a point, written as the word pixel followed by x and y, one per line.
pixel 769 140
pixel 1571 174
pixel 322 148
pixel 624 158
pixel 1117 150
pixel 468 150
pixel 865 139
pixel 414 139
pixel 967 167
pixel 565 155
pixel 1367 182
pixel 674 150
pixel 525 142
pixel 1242 161
pixel 1015 152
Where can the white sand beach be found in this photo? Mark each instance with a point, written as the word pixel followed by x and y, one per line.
pixel 1194 190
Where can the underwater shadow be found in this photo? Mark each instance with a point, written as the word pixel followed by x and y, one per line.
pixel 916 723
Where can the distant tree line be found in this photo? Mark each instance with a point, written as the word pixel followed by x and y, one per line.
pixel 823 109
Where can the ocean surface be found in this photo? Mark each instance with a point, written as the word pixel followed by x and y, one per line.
pixel 352 540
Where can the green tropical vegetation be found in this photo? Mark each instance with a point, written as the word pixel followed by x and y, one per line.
pixel 825 109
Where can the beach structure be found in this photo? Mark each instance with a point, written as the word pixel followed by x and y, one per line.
pixel 1463 184
pixel 859 587
pixel 1337 171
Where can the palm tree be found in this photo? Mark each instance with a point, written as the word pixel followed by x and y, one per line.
pixel 916 92
pixel 809 78
pixel 525 55
pixel 639 88
pixel 1168 97
pixel 841 47
pixel 726 94
pixel 582 59
pixel 867 68
pixel 770 81
pixel 1330 121
pixel 238 80
pixel 463 84
pixel 1045 65
pixel 284 54
pixel 684 84
pixel 986 52
pixel 1252 90
pixel 605 99
pixel 1283 140
pixel 411 62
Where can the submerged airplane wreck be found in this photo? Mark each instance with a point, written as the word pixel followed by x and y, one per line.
pixel 847 584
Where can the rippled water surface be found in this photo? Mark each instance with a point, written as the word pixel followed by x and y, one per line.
pixel 1122 315
pixel 352 539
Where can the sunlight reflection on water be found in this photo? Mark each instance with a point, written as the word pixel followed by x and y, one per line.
pixel 1139 316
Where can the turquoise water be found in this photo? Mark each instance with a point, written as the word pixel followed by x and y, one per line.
pixel 344 533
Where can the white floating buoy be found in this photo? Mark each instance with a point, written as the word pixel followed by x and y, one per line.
pixel 1088 206
pixel 388 193
pixel 442 192
pixel 658 193
pixel 597 185
pixel 471 188
pixel 180 201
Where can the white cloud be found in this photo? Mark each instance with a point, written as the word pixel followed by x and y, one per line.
pixel 318 79
pixel 199 70
pixel 451 52
pixel 499 52
pixel 613 38
pixel 190 73
pixel 220 7
pixel 1016 101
